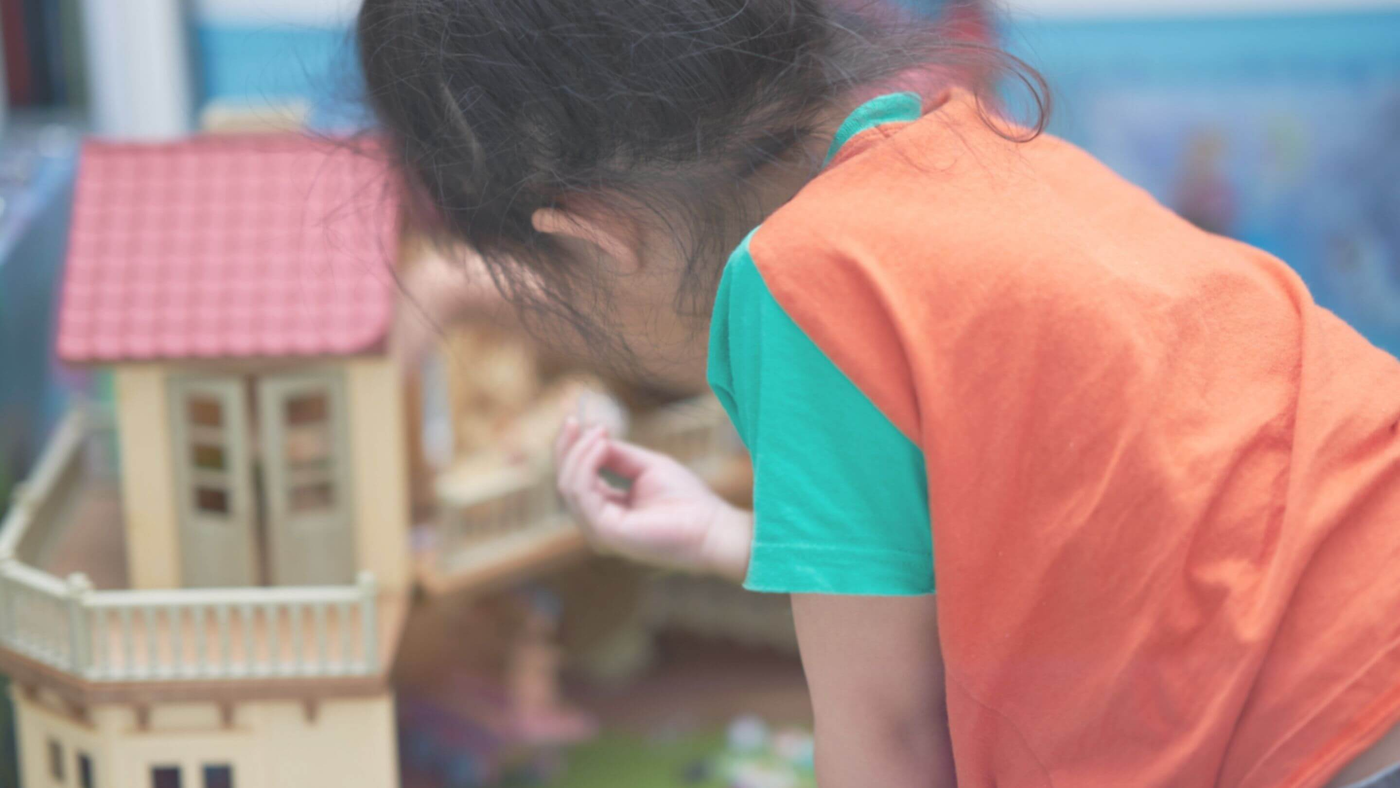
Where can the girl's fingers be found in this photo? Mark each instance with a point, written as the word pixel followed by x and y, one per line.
pixel 610 492
pixel 630 460
pixel 583 476
pixel 571 453
pixel 568 472
pixel 589 502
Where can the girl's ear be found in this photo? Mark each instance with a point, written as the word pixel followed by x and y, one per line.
pixel 618 237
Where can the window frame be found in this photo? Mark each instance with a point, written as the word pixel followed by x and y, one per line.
pixel 175 769
pixel 57 772
pixel 206 768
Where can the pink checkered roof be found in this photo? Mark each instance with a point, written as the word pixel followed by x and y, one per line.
pixel 266 246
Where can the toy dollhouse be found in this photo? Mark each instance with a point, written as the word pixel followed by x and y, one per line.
pixel 206 585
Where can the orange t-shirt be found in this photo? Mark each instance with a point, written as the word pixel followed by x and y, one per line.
pixel 1164 483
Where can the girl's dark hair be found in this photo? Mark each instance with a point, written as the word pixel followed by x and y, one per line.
pixel 493 109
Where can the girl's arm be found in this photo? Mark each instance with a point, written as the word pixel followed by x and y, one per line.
pixel 875 671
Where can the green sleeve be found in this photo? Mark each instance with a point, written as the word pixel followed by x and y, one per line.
pixel 840 495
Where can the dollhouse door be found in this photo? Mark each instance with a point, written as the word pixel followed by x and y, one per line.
pixel 218 544
pixel 303 424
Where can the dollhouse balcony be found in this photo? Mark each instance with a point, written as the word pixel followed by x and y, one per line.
pixel 495 527
pixel 68 620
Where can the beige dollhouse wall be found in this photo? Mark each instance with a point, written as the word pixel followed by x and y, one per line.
pixel 268 744
pixel 378 472
pixel 147 476
pixel 38 727
pixel 379 468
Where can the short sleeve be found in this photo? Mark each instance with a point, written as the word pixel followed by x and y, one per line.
pixel 840 495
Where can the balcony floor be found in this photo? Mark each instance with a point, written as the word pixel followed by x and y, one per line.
pixel 90 538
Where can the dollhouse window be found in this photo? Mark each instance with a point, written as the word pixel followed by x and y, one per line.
pixel 312 498
pixel 56 761
pixel 85 778
pixel 305 443
pixel 213 480
pixel 208 457
pixel 218 776
pixel 209 428
pixel 205 412
pixel 263 479
pixel 309 409
pixel 211 500
pixel 165 777
pixel 308 445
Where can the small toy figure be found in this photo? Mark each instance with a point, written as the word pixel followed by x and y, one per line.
pixel 537 707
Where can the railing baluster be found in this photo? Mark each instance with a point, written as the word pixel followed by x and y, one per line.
pixel 79 635
pixel 369 592
pixel 250 656
pixel 22 628
pixel 298 637
pixel 174 618
pixel 152 642
pixel 38 641
pixel 57 618
pixel 55 613
pixel 222 613
pixel 347 642
pixel 201 642
pixel 319 667
pixel 274 652
pixel 101 644
pixel 23 631
pixel 128 644
pixel 7 601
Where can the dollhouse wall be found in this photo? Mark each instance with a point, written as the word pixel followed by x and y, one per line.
pixel 270 744
pixel 147 476
pixel 377 472
pixel 379 469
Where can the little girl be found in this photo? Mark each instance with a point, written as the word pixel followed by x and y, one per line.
pixel 1156 487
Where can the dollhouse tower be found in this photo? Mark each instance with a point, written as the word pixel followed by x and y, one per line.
pixel 204 589
pixel 240 290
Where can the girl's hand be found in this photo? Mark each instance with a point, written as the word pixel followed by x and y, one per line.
pixel 667 516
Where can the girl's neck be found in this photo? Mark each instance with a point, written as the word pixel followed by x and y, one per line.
pixel 777 185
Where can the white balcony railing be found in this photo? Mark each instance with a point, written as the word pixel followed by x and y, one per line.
pixel 166 635
pixel 236 633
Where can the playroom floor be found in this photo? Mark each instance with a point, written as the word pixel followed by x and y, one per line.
pixel 667 728
pixel 702 683
pixel 660 731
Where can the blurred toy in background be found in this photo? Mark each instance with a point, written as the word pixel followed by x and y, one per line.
pixel 1360 227
pixel 757 757
pixel 506 407
pixel 475 726
pixel 1204 195
pixel 538 709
